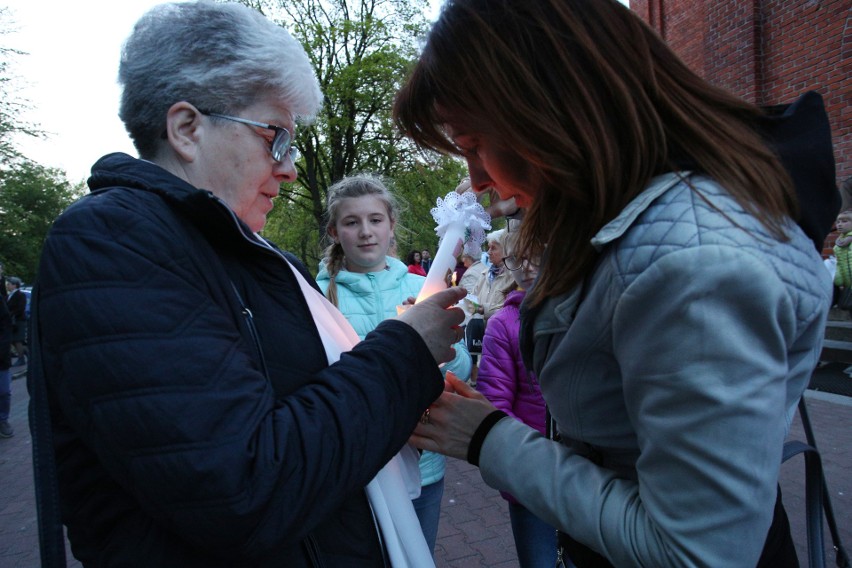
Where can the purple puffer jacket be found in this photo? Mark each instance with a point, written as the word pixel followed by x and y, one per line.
pixel 502 377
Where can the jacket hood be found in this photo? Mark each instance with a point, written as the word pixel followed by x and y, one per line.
pixel 515 297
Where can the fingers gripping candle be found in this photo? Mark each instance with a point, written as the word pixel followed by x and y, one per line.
pixel 461 223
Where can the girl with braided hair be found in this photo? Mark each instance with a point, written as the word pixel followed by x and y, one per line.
pixel 366 284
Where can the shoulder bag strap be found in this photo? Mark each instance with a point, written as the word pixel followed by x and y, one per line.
pixel 817 497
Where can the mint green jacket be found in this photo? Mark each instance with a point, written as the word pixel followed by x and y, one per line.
pixel 366 299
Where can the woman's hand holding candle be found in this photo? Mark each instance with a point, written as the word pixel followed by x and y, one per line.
pixel 437 322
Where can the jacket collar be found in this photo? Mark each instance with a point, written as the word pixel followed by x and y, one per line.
pixel 515 297
pixel 120 170
pixel 200 206
pixel 559 311
pixel 358 281
pixel 618 226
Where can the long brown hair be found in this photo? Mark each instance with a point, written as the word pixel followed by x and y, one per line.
pixel 594 103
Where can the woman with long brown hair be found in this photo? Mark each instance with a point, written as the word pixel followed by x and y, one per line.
pixel 679 310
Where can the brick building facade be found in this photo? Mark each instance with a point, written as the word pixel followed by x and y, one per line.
pixel 767 51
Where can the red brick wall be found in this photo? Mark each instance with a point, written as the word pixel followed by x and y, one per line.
pixel 828 245
pixel 767 51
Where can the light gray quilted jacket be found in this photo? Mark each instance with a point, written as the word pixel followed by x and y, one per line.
pixel 692 345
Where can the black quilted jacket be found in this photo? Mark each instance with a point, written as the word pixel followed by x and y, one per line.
pixel 182 441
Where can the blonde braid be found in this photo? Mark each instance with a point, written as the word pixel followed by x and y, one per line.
pixel 334 259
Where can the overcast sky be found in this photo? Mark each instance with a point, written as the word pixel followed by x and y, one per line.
pixel 69 76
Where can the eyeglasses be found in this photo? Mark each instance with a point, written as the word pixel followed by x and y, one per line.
pixel 281 144
pixel 513 263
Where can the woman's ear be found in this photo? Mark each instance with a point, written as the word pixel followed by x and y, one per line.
pixel 184 129
pixel 332 232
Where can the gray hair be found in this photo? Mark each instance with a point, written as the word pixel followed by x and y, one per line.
pixel 14 281
pixel 495 236
pixel 218 57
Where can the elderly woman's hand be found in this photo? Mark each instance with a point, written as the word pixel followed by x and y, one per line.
pixel 452 419
pixel 496 207
pixel 437 322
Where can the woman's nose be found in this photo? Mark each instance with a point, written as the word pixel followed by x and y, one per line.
pixel 285 170
pixel 479 178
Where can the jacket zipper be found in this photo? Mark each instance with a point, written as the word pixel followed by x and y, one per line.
pixel 255 336
pixel 377 307
pixel 310 544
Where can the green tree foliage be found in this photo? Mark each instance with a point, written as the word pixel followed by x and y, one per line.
pixel 361 51
pixel 31 197
pixel 418 188
pixel 293 228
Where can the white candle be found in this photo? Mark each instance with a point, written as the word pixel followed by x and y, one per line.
pixel 445 259
pixel 461 224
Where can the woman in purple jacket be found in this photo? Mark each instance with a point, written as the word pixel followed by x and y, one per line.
pixel 505 382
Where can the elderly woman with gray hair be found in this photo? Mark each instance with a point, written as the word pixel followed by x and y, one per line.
pixel 208 406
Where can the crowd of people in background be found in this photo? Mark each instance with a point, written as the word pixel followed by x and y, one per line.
pixel 14 320
pixel 227 408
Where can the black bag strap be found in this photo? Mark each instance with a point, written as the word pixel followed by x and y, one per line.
pixel 817 497
pixel 51 537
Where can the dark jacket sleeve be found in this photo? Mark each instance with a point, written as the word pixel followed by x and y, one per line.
pixel 17 304
pixel 151 372
pixel 5 337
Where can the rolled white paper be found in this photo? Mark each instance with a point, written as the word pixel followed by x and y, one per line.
pixel 445 259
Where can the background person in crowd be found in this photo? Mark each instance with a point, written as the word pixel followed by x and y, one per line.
pixel 3 282
pixel 6 430
pixel 462 262
pixel 414 263
pixel 491 286
pixel 475 331
pixel 473 270
pixel 17 303
pixel 426 260
pixel 206 407
pixel 359 277
pixel 679 310
pixel 504 381
pixel 843 270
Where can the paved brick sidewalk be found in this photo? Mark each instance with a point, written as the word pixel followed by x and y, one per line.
pixel 475 529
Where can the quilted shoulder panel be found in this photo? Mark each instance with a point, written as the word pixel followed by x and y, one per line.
pixel 685 217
